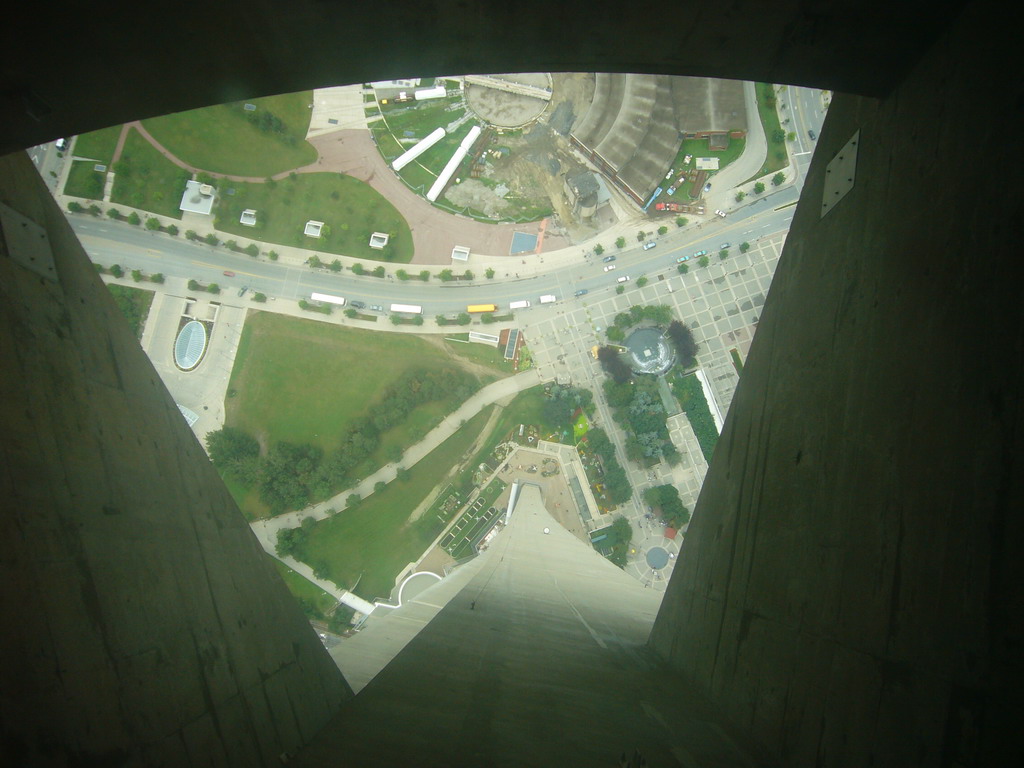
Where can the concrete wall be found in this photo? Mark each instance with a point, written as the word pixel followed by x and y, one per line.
pixel 846 589
pixel 77 71
pixel 142 622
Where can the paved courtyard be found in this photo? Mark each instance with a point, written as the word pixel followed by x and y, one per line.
pixel 720 303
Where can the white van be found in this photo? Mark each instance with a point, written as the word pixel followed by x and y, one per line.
pixel 548 299
pixel 519 305
pixel 623 279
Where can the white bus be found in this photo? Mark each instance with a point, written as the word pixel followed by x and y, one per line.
pixel 548 299
pixel 411 309
pixel 328 298
pixel 519 305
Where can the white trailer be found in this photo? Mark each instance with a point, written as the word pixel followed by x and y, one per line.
pixel 519 305
pixel 548 299
pixel 410 309
pixel 422 146
pixel 328 298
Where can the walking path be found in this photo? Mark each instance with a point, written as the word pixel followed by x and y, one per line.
pixel 266 530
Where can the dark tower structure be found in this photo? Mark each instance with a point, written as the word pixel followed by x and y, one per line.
pixel 846 592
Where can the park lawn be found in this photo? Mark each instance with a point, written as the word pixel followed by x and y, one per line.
pixel 770 121
pixel 365 547
pixel 387 144
pixel 490 357
pixel 98 145
pixel 303 381
pixel 351 209
pixel 699 148
pixel 134 304
pixel 315 603
pixel 147 180
pixel 220 139
pixel 84 181
pixel 423 171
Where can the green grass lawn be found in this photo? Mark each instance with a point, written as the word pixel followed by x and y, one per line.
pixel 427 167
pixel 98 145
pixel 304 382
pixel 372 542
pixel 491 357
pixel 147 180
pixel 770 120
pixel 351 209
pixel 221 139
pixel 134 304
pixel 83 181
pixel 315 603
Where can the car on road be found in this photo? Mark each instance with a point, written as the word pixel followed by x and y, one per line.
pixel 812 134
pixel 242 290
pixel 581 292
pixel 720 213
pixel 648 246
pixel 707 187
pixel 376 308
pixel 681 259
pixel 228 273
pixel 357 304
pixel 623 279
pixel 723 246
pixel 607 259
pixel 609 268
pixel 698 254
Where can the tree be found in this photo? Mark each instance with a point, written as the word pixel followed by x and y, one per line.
pixel 137 275
pixel 260 297
pixel 213 288
pixel 116 271
pixel 379 486
pixel 467 275
pixel 662 230
pixel 778 178
pixel 723 254
pixel 613 364
pixel 703 261
pixel 193 285
pixel 791 136
pixel 425 275
pixel 157 278
pixel 191 234
pixel 401 274
pixel 335 265
pixel 75 207
pixel 231 245
pixel 740 196
pixel 683 269
pixel 556 412
pixel 778 136
pixel 489 273
pixel 94 210
pixel 758 188
pixel 352 499
pixel 681 221
pixel 641 282
pixel 113 213
pixel 744 247
pixel 620 243
pixel 682 339
pixel 598 249
pixel 211 239
pixel 314 261
pixel 379 271
pixel 464 318
pixel 446 275
pixel 273 255
pixel 640 236
pixel 350 313
pixel 402 475
pixel 357 269
pixel 615 334
pixel 620 289
pixel 172 230
pixel 152 224
pixel 252 249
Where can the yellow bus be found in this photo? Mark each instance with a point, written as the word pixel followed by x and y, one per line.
pixel 472 308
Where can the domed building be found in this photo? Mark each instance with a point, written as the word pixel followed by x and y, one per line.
pixel 649 351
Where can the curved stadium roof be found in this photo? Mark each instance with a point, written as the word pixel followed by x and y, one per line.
pixel 190 345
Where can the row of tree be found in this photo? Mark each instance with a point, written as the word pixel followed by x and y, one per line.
pixel 616 482
pixel 637 407
pixel 290 476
